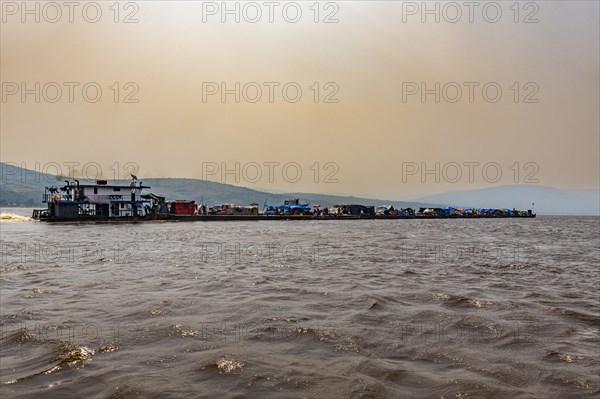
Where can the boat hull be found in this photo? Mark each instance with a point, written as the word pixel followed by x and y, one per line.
pixel 225 218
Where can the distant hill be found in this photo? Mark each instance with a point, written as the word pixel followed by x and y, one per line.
pixel 213 193
pixel 21 189
pixel 548 200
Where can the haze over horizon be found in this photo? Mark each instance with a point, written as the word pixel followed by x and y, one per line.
pixel 367 61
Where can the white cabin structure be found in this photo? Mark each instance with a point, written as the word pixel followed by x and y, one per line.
pixel 100 200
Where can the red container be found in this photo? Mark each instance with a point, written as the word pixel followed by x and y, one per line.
pixel 183 207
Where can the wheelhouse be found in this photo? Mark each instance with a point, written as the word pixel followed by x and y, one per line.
pixel 75 200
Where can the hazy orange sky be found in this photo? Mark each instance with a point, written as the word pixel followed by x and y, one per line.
pixel 371 56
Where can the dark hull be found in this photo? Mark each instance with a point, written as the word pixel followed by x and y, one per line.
pixel 225 218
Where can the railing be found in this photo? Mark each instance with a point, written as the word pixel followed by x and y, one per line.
pixel 55 197
pixel 39 213
pixel 84 211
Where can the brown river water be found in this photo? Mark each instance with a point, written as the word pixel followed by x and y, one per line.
pixel 492 308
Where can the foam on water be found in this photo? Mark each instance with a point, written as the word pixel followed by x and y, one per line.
pixel 12 218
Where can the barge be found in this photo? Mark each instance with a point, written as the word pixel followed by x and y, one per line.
pixel 103 202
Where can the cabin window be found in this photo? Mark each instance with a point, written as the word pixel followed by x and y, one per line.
pixel 122 205
pixel 117 189
pixel 95 190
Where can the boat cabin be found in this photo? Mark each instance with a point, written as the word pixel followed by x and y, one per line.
pixel 100 200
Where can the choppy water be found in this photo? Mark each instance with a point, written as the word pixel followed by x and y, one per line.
pixel 331 309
